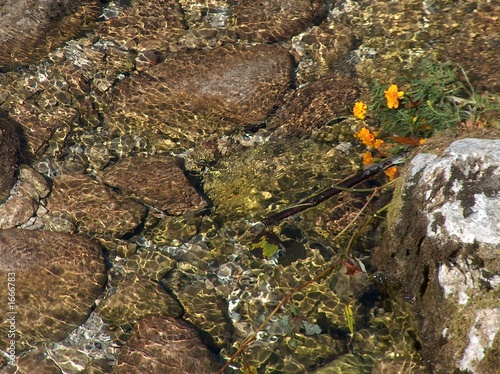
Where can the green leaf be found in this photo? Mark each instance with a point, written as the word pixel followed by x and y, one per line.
pixel 268 249
pixel 350 317
pixel 250 370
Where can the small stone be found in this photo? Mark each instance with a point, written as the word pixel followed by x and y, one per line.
pixel 157 181
pixel 56 276
pixel 165 345
pixel 136 298
pixel 16 211
pixel 9 148
pixel 93 207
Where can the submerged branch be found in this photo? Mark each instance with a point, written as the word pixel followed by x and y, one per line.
pixel 332 191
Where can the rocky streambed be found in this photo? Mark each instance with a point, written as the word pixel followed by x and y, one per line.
pixel 142 143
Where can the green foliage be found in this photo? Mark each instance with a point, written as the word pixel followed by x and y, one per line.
pixel 250 370
pixel 268 249
pixel 438 96
pixel 350 318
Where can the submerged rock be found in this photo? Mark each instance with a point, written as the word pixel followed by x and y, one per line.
pixel 274 20
pixel 93 207
pixel 443 246
pixel 317 104
pixel 184 99
pixel 55 278
pixel 9 148
pixel 145 25
pixel 165 345
pixel 30 29
pixel 157 181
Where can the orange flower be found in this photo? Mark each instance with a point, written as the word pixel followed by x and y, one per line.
pixel 391 172
pixel 367 158
pixel 393 95
pixel 422 141
pixel 368 138
pixel 359 110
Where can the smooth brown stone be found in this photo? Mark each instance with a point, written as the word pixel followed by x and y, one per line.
pixel 30 29
pixel 54 279
pixel 275 20
pixel 316 104
pixel 198 93
pixel 93 207
pixel 9 148
pixel 157 181
pixel 165 345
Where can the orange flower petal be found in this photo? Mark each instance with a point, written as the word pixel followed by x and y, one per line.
pixel 391 172
pixel 360 109
pixel 393 95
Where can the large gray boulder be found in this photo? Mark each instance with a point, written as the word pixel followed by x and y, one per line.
pixel 442 248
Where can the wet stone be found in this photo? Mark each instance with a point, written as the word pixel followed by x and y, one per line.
pixel 316 104
pixel 36 180
pixel 184 99
pixel 321 50
pixel 165 345
pixel 93 207
pixel 29 29
pixel 9 148
pixel 58 277
pixel 156 181
pixel 151 264
pixel 136 298
pixel 145 25
pixel 205 310
pixel 16 211
pixel 274 20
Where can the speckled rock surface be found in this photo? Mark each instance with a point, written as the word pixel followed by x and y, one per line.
pixel 443 247
pixel 9 148
pixel 317 104
pixel 136 293
pixel 136 298
pixel 56 277
pixel 156 181
pixel 127 27
pixel 93 207
pixel 180 101
pixel 29 29
pixel 274 20
pixel 165 345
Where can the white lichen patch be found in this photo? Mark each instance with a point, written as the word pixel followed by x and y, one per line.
pixel 458 281
pixel 481 337
pixel 483 225
pixel 461 191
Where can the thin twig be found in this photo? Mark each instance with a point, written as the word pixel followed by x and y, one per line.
pixel 332 191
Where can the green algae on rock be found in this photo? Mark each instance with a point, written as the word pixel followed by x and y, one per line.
pixel 58 277
pixel 273 175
